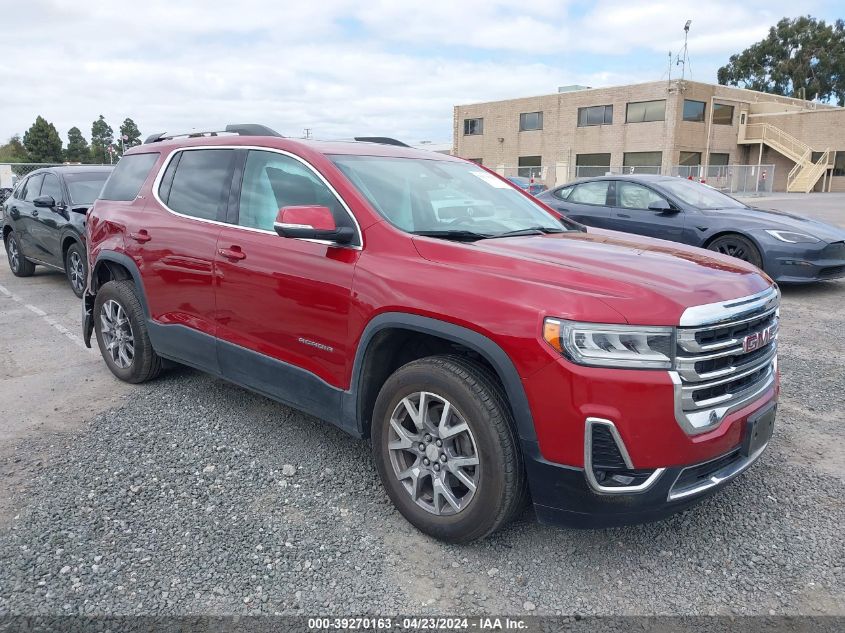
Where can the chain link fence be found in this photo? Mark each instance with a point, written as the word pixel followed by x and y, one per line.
pixel 734 179
pixel 592 171
pixel 534 179
pixel 12 173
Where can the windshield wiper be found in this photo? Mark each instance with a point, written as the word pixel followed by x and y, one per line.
pixel 461 236
pixel 533 230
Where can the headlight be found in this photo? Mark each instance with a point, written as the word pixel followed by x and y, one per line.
pixel 792 237
pixel 635 347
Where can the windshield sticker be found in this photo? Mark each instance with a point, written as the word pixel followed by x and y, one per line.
pixel 490 179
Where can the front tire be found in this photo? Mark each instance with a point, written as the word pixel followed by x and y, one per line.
pixel 737 246
pixel 19 265
pixel 122 336
pixel 76 269
pixel 445 448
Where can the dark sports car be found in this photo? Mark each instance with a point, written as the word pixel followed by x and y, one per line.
pixel 790 248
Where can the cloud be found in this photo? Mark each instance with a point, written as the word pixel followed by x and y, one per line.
pixel 341 68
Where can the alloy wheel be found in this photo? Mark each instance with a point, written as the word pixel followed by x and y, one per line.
pixel 734 248
pixel 433 453
pixel 117 334
pixel 14 255
pixel 77 272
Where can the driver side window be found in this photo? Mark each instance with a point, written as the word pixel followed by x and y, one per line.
pixel 273 181
pixel 630 195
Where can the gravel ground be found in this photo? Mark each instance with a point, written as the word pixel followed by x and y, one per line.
pixel 195 496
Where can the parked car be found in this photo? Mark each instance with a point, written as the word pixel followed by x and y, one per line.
pixel 790 248
pixel 43 221
pixel 525 184
pixel 485 356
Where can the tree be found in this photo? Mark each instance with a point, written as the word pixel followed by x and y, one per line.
pixel 13 151
pixel 102 137
pixel 42 142
pixel 801 57
pixel 130 134
pixel 77 150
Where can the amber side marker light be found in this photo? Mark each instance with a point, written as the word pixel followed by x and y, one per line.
pixel 551 332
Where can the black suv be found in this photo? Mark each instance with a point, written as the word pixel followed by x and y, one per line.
pixel 44 220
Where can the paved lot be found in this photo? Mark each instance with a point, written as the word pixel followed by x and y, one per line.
pixel 177 497
pixel 828 207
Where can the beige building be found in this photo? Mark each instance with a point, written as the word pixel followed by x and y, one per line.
pixel 671 127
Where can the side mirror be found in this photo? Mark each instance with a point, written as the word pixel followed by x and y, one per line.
pixel 311 223
pixel 44 201
pixel 661 206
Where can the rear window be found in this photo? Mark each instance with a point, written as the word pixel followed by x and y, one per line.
pixel 126 179
pixel 84 187
pixel 201 183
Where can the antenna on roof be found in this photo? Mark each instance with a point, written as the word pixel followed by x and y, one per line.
pixel 683 57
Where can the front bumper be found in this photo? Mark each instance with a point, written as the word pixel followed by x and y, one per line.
pixel 562 495
pixel 805 263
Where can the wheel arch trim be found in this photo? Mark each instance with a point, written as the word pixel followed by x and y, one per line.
pixel 487 348
pixel 103 257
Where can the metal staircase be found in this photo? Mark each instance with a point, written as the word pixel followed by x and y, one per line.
pixel 806 172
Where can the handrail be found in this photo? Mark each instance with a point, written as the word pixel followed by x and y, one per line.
pixel 776 136
pixel 799 165
pixel 811 173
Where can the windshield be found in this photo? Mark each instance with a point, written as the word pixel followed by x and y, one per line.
pixel 443 197
pixel 701 196
pixel 84 187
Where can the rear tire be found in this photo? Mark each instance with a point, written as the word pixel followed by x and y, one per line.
pixel 471 453
pixel 121 328
pixel 19 265
pixel 737 246
pixel 76 269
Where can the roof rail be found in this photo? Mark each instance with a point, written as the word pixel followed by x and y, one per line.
pixel 241 129
pixel 384 140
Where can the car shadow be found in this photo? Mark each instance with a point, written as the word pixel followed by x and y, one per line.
pixel 818 289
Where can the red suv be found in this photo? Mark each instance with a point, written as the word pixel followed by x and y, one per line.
pixel 489 349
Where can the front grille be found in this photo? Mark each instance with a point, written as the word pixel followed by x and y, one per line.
pixel 716 371
pixel 832 271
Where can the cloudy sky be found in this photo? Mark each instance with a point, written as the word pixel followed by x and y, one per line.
pixel 344 67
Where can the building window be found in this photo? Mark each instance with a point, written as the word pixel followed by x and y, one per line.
pixel 642 162
pixel 590 165
pixel 529 166
pixel 719 160
pixel 530 121
pixel 473 127
pixel 690 158
pixel 723 114
pixel 644 111
pixel 693 110
pixel 839 164
pixel 595 115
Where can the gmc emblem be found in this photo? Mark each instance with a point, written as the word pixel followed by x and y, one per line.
pixel 759 339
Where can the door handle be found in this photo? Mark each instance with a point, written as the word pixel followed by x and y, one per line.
pixel 35 213
pixel 622 215
pixel 234 253
pixel 142 237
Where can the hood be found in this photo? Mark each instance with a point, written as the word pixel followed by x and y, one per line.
pixel 768 219
pixel 647 281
